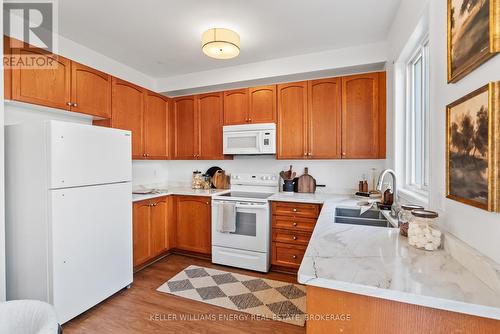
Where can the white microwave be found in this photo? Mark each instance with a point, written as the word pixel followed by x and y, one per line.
pixel 249 139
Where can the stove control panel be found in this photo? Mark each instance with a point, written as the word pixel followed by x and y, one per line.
pixel 254 179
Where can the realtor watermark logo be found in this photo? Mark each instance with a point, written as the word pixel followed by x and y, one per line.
pixel 32 26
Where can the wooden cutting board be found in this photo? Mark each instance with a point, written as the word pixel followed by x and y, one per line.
pixel 306 183
pixel 221 180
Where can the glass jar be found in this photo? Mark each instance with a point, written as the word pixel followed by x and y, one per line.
pixel 197 181
pixel 404 217
pixel 422 233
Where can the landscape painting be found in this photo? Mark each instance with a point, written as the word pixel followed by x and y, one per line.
pixel 472 166
pixel 471 29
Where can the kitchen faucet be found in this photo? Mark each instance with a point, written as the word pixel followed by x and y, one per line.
pixel 381 181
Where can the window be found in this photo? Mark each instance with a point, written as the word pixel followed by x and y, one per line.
pixel 417 120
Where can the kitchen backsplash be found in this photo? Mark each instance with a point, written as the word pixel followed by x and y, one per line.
pixel 339 176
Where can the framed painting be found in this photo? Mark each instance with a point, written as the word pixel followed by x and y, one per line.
pixel 473 35
pixel 473 148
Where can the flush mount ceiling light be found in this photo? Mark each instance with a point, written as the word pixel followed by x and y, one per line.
pixel 220 43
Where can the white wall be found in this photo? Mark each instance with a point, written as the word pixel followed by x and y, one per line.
pixel 476 227
pixel 340 176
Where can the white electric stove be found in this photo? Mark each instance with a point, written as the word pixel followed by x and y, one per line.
pixel 249 246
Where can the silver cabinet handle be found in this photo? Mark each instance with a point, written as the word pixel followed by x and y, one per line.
pixel 69 104
pixel 294 238
pixel 75 105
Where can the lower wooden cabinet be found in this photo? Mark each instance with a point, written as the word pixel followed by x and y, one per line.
pixel 151 229
pixel 292 226
pixel 193 217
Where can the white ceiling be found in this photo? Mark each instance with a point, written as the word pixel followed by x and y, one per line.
pixel 161 38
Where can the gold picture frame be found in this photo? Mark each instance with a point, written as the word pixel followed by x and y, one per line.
pixel 464 160
pixel 467 27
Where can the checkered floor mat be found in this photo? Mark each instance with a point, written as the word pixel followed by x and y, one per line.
pixel 257 296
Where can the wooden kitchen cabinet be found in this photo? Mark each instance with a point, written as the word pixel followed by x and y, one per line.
pixel 46 87
pixel 151 229
pixel 236 106
pixel 363 116
pixel 292 121
pixel 250 105
pixel 210 119
pixel 324 119
pixel 262 108
pixel 292 225
pixel 90 91
pixel 7 71
pixel 185 145
pixel 156 127
pixel 194 232
pixel 128 103
pixel 141 232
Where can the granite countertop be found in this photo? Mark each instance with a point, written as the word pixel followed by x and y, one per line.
pixel 178 190
pixel 378 262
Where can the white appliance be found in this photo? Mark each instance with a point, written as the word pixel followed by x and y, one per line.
pixel 249 139
pixel 68 214
pixel 249 246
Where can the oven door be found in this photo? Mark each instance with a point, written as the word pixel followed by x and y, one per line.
pixel 242 142
pixel 252 227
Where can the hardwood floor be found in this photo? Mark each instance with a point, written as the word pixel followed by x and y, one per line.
pixel 142 309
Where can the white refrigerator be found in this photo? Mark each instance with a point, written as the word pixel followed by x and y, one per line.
pixel 68 214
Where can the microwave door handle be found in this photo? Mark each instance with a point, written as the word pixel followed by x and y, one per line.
pixel 261 142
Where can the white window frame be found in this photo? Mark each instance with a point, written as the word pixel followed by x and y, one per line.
pixel 421 51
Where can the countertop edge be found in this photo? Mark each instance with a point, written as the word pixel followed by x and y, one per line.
pixel 404 297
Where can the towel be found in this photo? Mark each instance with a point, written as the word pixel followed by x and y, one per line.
pixel 226 220
pixel 365 208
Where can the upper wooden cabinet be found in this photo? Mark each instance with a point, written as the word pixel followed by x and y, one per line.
pixel 7 71
pixel 90 91
pixel 194 224
pixel 128 104
pixel 185 137
pixel 363 116
pixel 198 123
pixel 292 121
pixel 324 119
pixel 250 105
pixel 210 119
pixel 156 127
pixel 50 87
pixel 262 108
pixel 236 106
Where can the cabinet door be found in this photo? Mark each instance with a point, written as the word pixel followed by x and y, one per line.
pixel 236 106
pixel 90 91
pixel 360 116
pixel 128 110
pixel 159 224
pixel 156 127
pixel 50 87
pixel 194 224
pixel 210 118
pixel 185 128
pixel 7 71
pixel 324 119
pixel 292 121
pixel 262 104
pixel 142 232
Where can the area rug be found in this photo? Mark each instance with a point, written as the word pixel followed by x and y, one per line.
pixel 259 297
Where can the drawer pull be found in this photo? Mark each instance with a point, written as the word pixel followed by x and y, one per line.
pixel 294 209
pixel 294 238
pixel 294 224
pixel 294 257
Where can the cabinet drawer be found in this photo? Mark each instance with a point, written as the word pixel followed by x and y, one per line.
pixel 294 224
pixel 296 209
pixel 286 255
pixel 291 237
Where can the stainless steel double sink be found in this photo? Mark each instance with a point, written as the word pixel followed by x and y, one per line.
pixel 352 216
